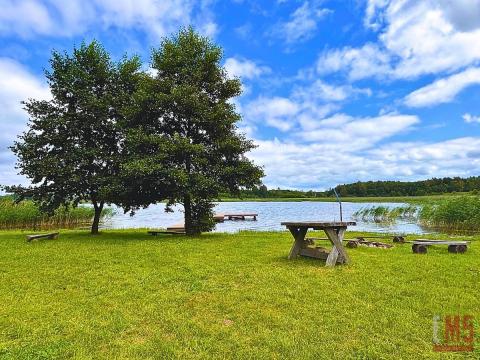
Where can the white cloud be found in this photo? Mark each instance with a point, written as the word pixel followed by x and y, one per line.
pixel 358 63
pixel 372 19
pixel 469 118
pixel 275 112
pixel 443 90
pixel 67 18
pixel 244 68
pixel 358 133
pixel 414 38
pixel 320 165
pixel 302 25
pixel 306 106
pixel 323 91
pixel 427 39
pixel 16 85
pixel 24 17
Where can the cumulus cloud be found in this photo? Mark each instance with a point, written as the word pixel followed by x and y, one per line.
pixel 321 165
pixel 16 85
pixel 469 118
pixel 414 38
pixel 304 108
pixel 302 24
pixel 358 63
pixel 320 90
pixel 356 132
pixel 244 68
pixel 275 112
pixel 443 90
pixel 157 18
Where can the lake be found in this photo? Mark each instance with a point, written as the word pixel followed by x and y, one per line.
pixel 270 215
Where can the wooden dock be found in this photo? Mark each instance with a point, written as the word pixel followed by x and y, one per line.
pixel 180 228
pixel 235 216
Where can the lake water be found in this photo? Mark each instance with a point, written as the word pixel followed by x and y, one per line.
pixel 270 215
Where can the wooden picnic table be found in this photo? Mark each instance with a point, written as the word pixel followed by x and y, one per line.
pixel 334 231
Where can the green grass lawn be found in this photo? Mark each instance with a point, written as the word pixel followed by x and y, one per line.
pixel 126 295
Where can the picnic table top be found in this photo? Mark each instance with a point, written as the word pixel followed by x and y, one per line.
pixel 319 224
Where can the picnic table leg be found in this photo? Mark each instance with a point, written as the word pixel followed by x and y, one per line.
pixel 336 238
pixel 299 243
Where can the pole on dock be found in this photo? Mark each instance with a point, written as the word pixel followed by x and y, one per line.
pixel 340 203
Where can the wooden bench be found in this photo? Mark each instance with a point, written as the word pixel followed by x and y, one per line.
pixel 419 246
pixel 42 236
pixel 156 232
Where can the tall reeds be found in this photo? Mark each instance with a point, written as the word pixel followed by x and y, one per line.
pixel 26 215
pixel 456 213
pixel 387 214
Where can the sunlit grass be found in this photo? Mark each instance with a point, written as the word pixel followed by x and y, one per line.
pixel 127 295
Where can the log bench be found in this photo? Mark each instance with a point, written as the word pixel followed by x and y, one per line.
pixel 42 236
pixel 419 246
pixel 170 232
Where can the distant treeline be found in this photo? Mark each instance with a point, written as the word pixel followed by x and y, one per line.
pixel 375 189
pixel 415 188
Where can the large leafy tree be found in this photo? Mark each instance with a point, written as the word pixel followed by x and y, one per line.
pixel 72 149
pixel 184 145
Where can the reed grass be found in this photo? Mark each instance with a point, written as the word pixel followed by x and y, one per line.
pixel 26 215
pixel 387 214
pixel 459 213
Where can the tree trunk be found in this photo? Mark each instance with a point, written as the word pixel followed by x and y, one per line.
pixel 96 218
pixel 187 206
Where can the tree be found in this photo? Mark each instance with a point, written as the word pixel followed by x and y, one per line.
pixel 184 145
pixel 71 151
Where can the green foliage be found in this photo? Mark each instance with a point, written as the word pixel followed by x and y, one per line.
pixel 414 188
pixel 26 215
pixel 126 295
pixel 71 151
pixel 447 214
pixel 387 214
pixel 372 189
pixel 183 144
pixel 457 213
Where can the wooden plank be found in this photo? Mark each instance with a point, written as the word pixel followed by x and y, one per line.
pixel 155 232
pixel 240 214
pixel 177 227
pixel 336 238
pixel 42 236
pixel 319 225
pixel 219 217
pixel 299 243
pixel 332 257
pixel 314 253
pixel 439 242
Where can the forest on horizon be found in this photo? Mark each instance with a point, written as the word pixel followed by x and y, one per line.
pixel 434 186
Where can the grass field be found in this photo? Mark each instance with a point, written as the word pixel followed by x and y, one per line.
pixel 126 295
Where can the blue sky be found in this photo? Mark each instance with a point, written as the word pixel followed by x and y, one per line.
pixel 334 91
